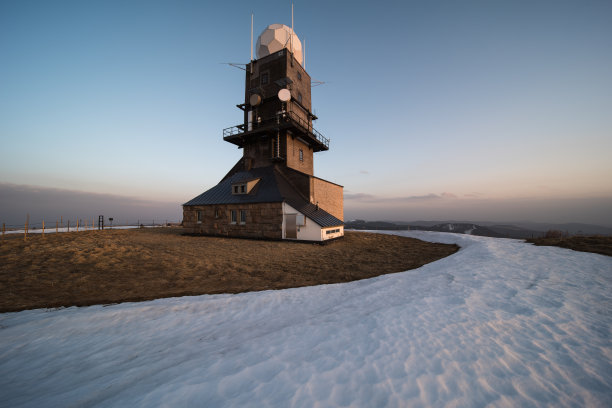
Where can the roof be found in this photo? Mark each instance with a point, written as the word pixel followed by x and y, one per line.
pixel 318 215
pixel 271 188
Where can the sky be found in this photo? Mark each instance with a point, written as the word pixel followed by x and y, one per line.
pixel 479 110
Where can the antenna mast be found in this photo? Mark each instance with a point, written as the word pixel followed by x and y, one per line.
pixel 304 54
pixel 251 36
pixel 292 28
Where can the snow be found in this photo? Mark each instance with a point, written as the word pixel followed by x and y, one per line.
pixel 500 323
pixel 49 230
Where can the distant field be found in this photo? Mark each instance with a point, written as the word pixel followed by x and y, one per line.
pixel 112 266
pixel 597 244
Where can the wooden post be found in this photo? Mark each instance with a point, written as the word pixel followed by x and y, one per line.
pixel 68 225
pixel 43 230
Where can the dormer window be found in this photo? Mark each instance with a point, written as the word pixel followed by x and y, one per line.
pixel 244 187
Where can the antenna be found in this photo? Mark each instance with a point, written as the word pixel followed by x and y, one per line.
pixel 304 54
pixel 292 28
pixel 251 36
pixel 235 65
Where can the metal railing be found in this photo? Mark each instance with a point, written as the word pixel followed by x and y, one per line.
pixel 282 117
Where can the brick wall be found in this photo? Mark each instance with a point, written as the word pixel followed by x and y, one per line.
pixel 263 220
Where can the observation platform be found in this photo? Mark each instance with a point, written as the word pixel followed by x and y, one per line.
pixel 281 121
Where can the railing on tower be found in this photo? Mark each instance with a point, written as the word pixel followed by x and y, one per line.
pixel 279 118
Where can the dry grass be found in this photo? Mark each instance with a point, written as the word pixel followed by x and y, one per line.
pixel 111 266
pixel 598 244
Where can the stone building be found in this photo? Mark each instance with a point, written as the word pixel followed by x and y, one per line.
pixel 271 192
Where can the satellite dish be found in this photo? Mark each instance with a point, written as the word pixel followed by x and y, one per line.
pixel 284 95
pixel 255 99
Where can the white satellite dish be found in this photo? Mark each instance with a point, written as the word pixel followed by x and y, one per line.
pixel 284 95
pixel 255 100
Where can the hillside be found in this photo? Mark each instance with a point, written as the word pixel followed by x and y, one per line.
pixel 521 230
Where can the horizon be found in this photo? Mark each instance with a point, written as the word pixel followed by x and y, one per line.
pixel 466 111
pixel 20 201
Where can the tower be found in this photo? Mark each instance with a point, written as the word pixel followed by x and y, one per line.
pixel 271 192
pixel 277 106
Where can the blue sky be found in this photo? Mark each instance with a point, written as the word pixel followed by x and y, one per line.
pixel 496 110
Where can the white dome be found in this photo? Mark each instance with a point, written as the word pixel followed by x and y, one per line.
pixel 276 37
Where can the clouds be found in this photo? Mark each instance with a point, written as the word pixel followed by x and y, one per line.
pixel 477 207
pixel 372 199
pixel 49 204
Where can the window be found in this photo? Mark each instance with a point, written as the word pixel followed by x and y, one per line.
pixel 199 216
pixel 243 216
pixel 299 76
pixel 217 213
pixel 265 78
pixel 299 97
pixel 332 231
pixel 239 188
pixel 233 216
pixel 301 155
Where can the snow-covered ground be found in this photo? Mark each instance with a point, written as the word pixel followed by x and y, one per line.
pixel 74 229
pixel 500 323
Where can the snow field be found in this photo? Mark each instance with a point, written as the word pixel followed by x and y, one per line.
pixel 499 323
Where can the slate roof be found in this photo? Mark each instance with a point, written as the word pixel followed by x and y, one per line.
pixel 271 188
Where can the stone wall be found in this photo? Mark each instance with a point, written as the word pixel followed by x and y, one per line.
pixel 306 165
pixel 263 220
pixel 329 196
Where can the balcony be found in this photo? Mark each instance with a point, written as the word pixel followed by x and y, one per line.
pixel 284 120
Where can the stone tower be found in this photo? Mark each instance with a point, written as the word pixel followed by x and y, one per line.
pixel 271 192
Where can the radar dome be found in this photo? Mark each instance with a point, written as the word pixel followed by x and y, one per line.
pixel 276 37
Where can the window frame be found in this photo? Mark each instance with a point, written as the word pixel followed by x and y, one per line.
pixel 233 216
pixel 243 216
pixel 199 216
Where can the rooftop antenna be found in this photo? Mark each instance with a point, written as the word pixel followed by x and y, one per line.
pixel 251 36
pixel 304 54
pixel 292 27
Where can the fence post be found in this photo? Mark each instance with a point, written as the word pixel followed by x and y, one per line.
pixel 68 225
pixel 43 230
pixel 25 230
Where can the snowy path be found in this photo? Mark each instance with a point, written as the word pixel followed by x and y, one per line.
pixel 500 322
